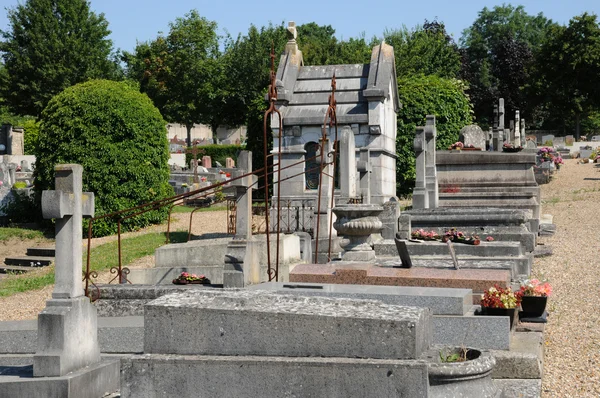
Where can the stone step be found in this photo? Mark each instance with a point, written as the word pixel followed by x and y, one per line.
pixel 145 375
pixel 477 280
pixel 29 261
pixel 41 251
pixel 422 248
pixel 283 325
pixel 520 388
pixel 17 269
pixel 517 266
pixel 524 359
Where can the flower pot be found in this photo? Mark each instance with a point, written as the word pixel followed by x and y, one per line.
pixel 509 312
pixel 533 306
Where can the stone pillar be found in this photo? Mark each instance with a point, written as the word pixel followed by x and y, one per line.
pixel 67 327
pixel 420 196
pixel 389 218
pixel 523 133
pixel 501 114
pixel 431 182
pixel 323 219
pixel 517 129
pixel 364 174
pixel 206 162
pixel 347 163
pixel 241 267
pixel 511 132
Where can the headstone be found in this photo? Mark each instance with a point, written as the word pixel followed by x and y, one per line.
pixel 348 163
pixel 569 140
pixel 517 129
pixel 25 166
pixel 473 135
pixel 229 163
pixel 420 196
pixel 530 144
pixel 67 327
pixel 511 132
pixel 389 218
pixel 218 164
pixel 548 140
pixel 430 168
pixel 403 253
pixel 240 254
pixel 206 161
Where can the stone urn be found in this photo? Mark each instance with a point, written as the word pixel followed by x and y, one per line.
pixel 355 224
pixel 469 378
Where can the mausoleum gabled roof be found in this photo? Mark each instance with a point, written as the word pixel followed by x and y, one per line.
pixel 303 91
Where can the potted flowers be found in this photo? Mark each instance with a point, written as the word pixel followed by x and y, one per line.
pixel 457 236
pixel 509 147
pixel 457 145
pixel 545 154
pixel 534 297
pixel 421 234
pixel 186 278
pixel 501 301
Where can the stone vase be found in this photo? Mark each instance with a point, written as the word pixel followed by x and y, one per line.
pixel 469 379
pixel 355 224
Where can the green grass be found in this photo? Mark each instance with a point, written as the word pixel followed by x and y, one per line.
pixel 20 233
pixel 102 258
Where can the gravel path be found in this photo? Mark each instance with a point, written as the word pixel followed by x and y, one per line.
pixel 572 351
pixel 572 339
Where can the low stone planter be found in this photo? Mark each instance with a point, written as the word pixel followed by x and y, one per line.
pixel 468 379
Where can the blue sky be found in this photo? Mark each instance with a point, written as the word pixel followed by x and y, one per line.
pixel 141 20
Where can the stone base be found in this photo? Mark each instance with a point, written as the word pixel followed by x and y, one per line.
pixel 91 382
pixel 158 375
pixel 359 255
pixel 67 337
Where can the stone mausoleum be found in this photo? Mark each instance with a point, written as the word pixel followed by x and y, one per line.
pixel 367 102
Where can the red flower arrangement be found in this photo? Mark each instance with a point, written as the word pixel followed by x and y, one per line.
pixel 500 297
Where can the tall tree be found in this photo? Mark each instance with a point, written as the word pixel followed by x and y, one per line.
pixel 568 68
pixel 49 46
pixel 426 50
pixel 496 56
pixel 181 72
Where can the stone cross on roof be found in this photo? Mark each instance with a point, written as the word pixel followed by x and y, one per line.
pixel 195 151
pixel 68 204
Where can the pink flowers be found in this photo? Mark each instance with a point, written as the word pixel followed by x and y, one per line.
pixel 533 287
pixel 424 235
pixel 489 239
pixel 457 145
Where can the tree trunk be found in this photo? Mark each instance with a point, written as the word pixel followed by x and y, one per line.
pixel 188 127
pixel 577 126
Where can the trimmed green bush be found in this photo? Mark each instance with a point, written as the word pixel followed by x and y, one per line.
pixel 217 153
pixel 31 130
pixel 421 96
pixel 120 139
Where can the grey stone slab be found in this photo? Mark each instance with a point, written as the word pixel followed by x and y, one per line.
pixel 196 253
pixel 520 388
pixel 91 382
pixel 118 334
pixel 165 275
pixel 440 300
pixel 524 359
pixel 259 323
pixel 482 332
pixel 243 376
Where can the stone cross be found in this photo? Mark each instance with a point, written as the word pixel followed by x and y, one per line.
pixel 420 196
pixel 195 151
pixel 517 129
pixel 348 163
pixel 67 204
pixel 67 338
pixel 512 133
pixel 522 129
pixel 430 167
pixel 496 116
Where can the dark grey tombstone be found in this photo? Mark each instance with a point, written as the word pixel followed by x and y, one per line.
pixel 403 253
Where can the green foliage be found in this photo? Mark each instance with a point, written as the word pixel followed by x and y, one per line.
pixel 19 185
pixel 22 208
pixel 180 72
pixel 319 46
pixel 49 46
pixel 568 66
pixel 497 50
pixel 119 137
pixel 426 50
pixel 31 130
pixel 421 96
pixel 217 153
